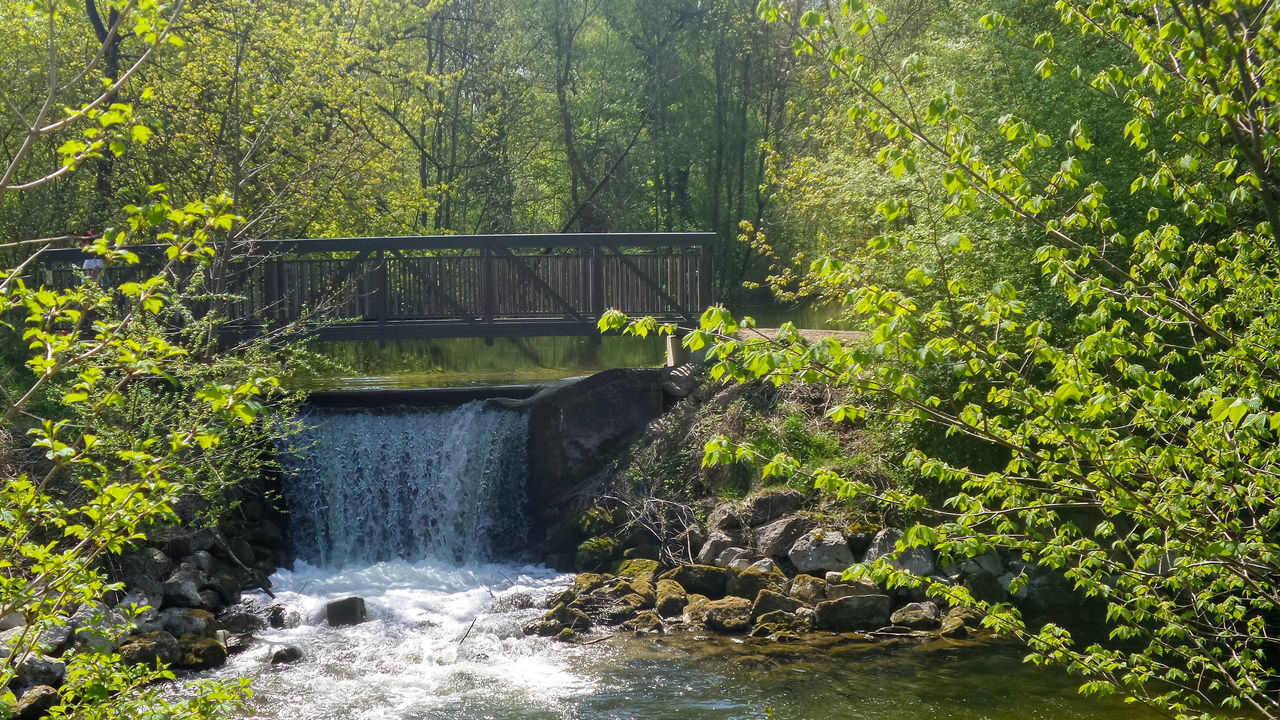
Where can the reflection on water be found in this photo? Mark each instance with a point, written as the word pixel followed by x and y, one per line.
pixel 464 361
pixel 445 642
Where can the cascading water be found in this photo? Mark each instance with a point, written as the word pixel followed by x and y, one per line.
pixel 446 484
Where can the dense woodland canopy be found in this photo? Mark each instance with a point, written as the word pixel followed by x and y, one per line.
pixel 1055 223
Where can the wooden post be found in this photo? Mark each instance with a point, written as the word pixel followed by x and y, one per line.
pixel 488 293
pixel 595 284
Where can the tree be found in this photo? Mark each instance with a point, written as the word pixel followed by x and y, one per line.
pixel 75 490
pixel 1127 397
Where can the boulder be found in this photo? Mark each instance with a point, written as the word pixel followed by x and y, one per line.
pixel 701 579
pixel 285 655
pixel 713 547
pixel 180 622
pixel 227 586
pixel 820 550
pixel 183 590
pixel 200 560
pixel 239 622
pixel 917 561
pixel 751 581
pixel 859 542
pixel 954 628
pixel 780 625
pixel 989 562
pixel 147 587
pixel 203 654
pixel 858 612
pixel 729 616
pixel 725 519
pixel 776 538
pixel 860 586
pixel 152 648
pixel 147 562
pixel 695 611
pixel 347 611
pixel 917 616
pixel 587 582
pixel 768 601
pixel 37 670
pixel 276 617
pixel 734 556
pixel 986 587
pixel 12 620
pixel 770 504
pixel 637 568
pixel 646 622
pixel 35 703
pixel 623 609
pixel 565 616
pixel 671 598
pixel 808 589
pixel 95 626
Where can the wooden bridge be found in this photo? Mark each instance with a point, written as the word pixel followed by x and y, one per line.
pixel 483 286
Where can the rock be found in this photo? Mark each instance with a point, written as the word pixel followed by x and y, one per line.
pixel 820 550
pixel 95 626
pixel 917 561
pixel 570 617
pixel 639 569
pixel 729 616
pixel 972 617
pixel 210 600
pixel 715 545
pixel 238 621
pixel 152 648
pixel 858 612
pixel 347 611
pixel 726 520
pixel 148 587
pixel 35 703
pixel 646 591
pixel 695 611
pixel 623 609
pixel 954 628
pixel 777 538
pixel 200 560
pixel 203 654
pixel 597 552
pixel 180 622
pixel 989 562
pixel 771 504
pixel 286 654
pixel 588 582
pixel 701 579
pixel 884 543
pixel 917 616
pixel 276 617
pixel 860 586
pixel 768 601
pixel 986 587
pixel 235 643
pixel 183 591
pixel 733 555
pixel 748 583
pixel 227 587
pixel 56 640
pixel 808 589
pixel 11 621
pixel 644 623
pixel 147 562
pixel 37 670
pixel 859 542
pixel 780 624
pixel 671 598
pixel 764 565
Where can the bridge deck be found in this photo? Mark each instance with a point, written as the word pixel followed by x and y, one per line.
pixel 447 286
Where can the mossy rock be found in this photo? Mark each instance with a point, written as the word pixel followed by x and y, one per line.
pixel 562 598
pixel 643 551
pixel 588 582
pixel 203 653
pixel 780 624
pixel 671 598
pixel 638 568
pixel 748 583
pixel 731 615
pixel 567 635
pixel 647 622
pixel 706 580
pixel 568 617
pixel 597 552
pixel 598 521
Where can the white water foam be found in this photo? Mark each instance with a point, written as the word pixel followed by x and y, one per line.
pixel 441 641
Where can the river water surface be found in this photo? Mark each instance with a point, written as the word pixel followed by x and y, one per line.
pixel 445 642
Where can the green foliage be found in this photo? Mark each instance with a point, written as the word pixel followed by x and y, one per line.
pixel 1127 392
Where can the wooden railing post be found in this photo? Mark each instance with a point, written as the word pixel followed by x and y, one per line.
pixel 382 301
pixel 488 293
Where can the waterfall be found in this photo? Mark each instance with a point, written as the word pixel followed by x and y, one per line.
pixel 366 485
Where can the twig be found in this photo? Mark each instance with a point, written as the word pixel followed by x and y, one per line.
pixel 468 632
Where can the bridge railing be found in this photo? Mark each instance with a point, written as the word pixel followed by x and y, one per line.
pixel 457 286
